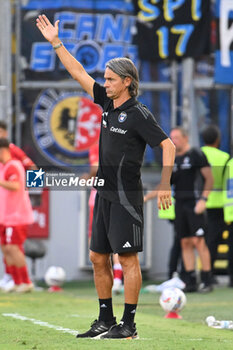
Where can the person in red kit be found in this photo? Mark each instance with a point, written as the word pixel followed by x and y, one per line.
pixel 15 216
pixel 18 154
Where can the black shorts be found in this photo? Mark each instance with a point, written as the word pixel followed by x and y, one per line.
pixel 187 222
pixel 116 228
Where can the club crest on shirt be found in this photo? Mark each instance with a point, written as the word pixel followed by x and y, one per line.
pixel 122 117
pixel 186 163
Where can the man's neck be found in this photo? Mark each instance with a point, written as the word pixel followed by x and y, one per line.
pixel 214 145
pixel 183 151
pixel 120 100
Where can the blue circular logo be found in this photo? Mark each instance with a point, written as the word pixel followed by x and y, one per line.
pixel 122 117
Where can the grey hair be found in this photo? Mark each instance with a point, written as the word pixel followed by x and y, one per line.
pixel 124 67
pixel 184 132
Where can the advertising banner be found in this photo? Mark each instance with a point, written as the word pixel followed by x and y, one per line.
pixel 224 52
pixel 65 124
pixel 172 29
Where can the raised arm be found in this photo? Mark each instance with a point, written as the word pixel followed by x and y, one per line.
pixel 75 68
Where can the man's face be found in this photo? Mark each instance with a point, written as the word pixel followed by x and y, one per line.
pixel 179 140
pixel 3 133
pixel 114 84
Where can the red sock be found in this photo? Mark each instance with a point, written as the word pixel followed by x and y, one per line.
pixel 14 271
pixel 7 270
pixel 117 271
pixel 24 274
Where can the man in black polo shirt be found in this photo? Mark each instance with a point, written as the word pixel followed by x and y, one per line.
pixel 127 126
pixel 192 181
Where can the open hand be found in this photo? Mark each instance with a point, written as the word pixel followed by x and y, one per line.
pixel 164 198
pixel 49 31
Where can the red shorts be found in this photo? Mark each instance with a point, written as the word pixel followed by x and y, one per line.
pixel 13 234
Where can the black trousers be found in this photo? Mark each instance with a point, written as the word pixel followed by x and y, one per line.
pixel 175 263
pixel 215 228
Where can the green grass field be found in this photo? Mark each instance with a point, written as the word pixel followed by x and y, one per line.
pixel 76 308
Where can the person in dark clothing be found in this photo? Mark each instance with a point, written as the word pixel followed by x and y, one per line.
pixel 214 206
pixel 127 126
pixel 190 165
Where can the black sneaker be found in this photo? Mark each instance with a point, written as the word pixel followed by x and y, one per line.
pixel 97 329
pixel 121 331
pixel 190 288
pixel 214 280
pixel 205 288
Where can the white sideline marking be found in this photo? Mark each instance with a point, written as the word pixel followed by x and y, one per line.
pixel 82 316
pixel 57 328
pixel 42 323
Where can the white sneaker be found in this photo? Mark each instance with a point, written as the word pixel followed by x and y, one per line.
pixel 117 286
pixel 9 287
pixel 151 288
pixel 175 282
pixel 6 278
pixel 24 288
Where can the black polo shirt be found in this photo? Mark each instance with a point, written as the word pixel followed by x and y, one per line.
pixel 125 131
pixel 186 177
